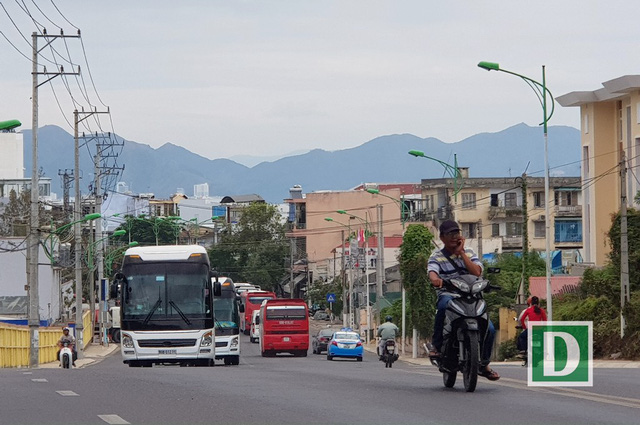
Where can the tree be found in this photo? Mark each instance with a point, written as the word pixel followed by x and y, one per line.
pixel 414 257
pixel 144 230
pixel 254 249
pixel 317 294
pixel 14 220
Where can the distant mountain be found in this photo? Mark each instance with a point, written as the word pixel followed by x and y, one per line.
pixel 383 160
pixel 251 161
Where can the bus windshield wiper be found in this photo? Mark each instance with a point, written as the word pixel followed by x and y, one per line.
pixel 153 310
pixel 185 318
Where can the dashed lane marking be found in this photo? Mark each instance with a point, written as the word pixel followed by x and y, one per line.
pixel 113 419
pixel 66 393
pixel 39 380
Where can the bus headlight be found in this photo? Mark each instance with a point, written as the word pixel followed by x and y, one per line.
pixel 127 341
pixel 207 339
pixel 234 342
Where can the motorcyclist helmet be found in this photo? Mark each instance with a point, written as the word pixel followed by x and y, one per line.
pixel 65 329
pixel 388 318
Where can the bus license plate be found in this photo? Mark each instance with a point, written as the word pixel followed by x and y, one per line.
pixel 167 351
pixel 286 339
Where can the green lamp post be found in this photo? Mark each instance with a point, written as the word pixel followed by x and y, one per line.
pixel 453 171
pixel 542 92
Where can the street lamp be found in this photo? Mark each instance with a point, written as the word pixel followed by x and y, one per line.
pixel 541 91
pixel 49 240
pixel 403 219
pixel 348 227
pixel 453 171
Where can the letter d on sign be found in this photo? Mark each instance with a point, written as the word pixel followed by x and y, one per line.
pixel 560 354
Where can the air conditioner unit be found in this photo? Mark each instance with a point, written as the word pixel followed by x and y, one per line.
pixel 542 217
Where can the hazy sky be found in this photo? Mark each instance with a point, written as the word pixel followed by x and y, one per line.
pixel 225 78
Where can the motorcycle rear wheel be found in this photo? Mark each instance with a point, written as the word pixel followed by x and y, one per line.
pixel 472 362
pixel 65 361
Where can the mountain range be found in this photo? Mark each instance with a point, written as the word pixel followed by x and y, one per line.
pixel 384 159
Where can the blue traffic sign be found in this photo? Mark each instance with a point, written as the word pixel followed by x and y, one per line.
pixel 331 298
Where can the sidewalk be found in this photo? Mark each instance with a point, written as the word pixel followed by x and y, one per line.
pixel 94 353
pixel 424 361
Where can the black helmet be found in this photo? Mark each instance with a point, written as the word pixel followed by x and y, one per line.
pixel 388 318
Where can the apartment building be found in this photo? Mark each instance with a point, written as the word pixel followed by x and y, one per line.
pixel 610 128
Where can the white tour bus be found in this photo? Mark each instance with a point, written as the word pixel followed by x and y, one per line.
pixel 227 318
pixel 166 300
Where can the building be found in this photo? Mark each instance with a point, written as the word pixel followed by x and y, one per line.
pixel 610 128
pixel 491 212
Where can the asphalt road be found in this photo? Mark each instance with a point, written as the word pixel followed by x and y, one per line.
pixel 288 390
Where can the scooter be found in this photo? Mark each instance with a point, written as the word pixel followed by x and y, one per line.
pixel 390 354
pixel 465 329
pixel 66 356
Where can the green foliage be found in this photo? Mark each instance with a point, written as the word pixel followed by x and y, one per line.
pixel 318 291
pixel 421 298
pixel 254 249
pixel 395 311
pixel 144 231
pixel 633 238
pixel 508 350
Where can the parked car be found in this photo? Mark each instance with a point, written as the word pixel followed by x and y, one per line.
pixel 345 343
pixel 320 340
pixel 321 315
pixel 254 333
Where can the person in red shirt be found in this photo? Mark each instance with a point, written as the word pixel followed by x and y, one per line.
pixel 534 314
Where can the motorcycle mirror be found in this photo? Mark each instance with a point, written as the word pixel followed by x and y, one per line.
pixel 494 270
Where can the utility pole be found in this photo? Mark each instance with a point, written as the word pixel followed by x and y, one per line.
pixel 525 243
pixel 291 244
pixel 343 275
pixel 67 178
pixel 480 239
pixel 33 246
pixel 624 244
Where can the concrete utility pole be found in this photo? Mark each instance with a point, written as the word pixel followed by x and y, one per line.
pixel 624 243
pixel 525 243
pixel 291 244
pixel 34 221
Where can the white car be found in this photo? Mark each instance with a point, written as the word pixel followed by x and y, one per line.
pixel 254 333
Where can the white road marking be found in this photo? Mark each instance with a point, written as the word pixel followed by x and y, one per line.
pixel 39 380
pixel 27 373
pixel 113 419
pixel 66 393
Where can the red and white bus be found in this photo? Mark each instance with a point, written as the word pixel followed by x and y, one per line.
pixel 250 301
pixel 284 327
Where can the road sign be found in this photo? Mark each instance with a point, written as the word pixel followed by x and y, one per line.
pixel 331 298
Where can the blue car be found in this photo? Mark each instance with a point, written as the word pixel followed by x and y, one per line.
pixel 345 343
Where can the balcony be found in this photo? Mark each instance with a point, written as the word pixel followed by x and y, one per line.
pixel 568 210
pixel 504 212
pixel 511 242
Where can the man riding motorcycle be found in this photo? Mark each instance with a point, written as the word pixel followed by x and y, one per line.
pixel 70 340
pixel 451 261
pixel 386 331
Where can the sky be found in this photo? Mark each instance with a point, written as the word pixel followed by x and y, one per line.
pixel 267 78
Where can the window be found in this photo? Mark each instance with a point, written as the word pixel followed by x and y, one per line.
pixel 586 124
pixel 568 231
pixel 469 230
pixel 495 230
pixel 539 229
pixel 511 199
pixel 564 198
pixel 514 229
pixel 469 200
pixel 538 199
pixel 494 200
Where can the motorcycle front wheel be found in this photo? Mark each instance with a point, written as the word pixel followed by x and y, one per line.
pixel 472 361
pixel 65 361
pixel 449 379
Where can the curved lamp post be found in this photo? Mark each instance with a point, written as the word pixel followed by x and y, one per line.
pixel 541 91
pixel 49 242
pixel 403 219
pixel 453 171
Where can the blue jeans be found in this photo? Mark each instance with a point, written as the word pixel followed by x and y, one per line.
pixel 438 327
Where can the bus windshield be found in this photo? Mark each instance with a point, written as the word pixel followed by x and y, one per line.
pixel 286 312
pixel 258 300
pixel 226 315
pixel 166 296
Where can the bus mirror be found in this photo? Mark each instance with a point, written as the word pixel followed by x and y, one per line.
pixel 217 289
pixel 257 320
pixel 113 290
pixel 213 273
pixel 241 308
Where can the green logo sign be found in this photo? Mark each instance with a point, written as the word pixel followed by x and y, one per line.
pixel 560 354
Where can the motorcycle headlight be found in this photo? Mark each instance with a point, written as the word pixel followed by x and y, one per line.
pixel 207 339
pixel 234 342
pixel 127 341
pixel 479 286
pixel 461 285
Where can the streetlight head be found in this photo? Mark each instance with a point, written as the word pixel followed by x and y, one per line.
pixel 90 217
pixel 133 243
pixel 341 212
pixel 489 66
pixel 173 217
pixel 374 191
pixel 119 232
pixel 328 219
pixel 416 153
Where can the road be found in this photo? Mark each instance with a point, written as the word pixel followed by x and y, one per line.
pixel 288 390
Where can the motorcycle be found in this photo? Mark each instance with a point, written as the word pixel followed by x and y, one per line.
pixel 465 329
pixel 66 355
pixel 390 354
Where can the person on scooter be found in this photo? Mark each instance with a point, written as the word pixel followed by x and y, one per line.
pixel 386 331
pixel 534 313
pixel 70 340
pixel 441 267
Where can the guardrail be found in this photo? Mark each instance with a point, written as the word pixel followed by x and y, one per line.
pixel 14 343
